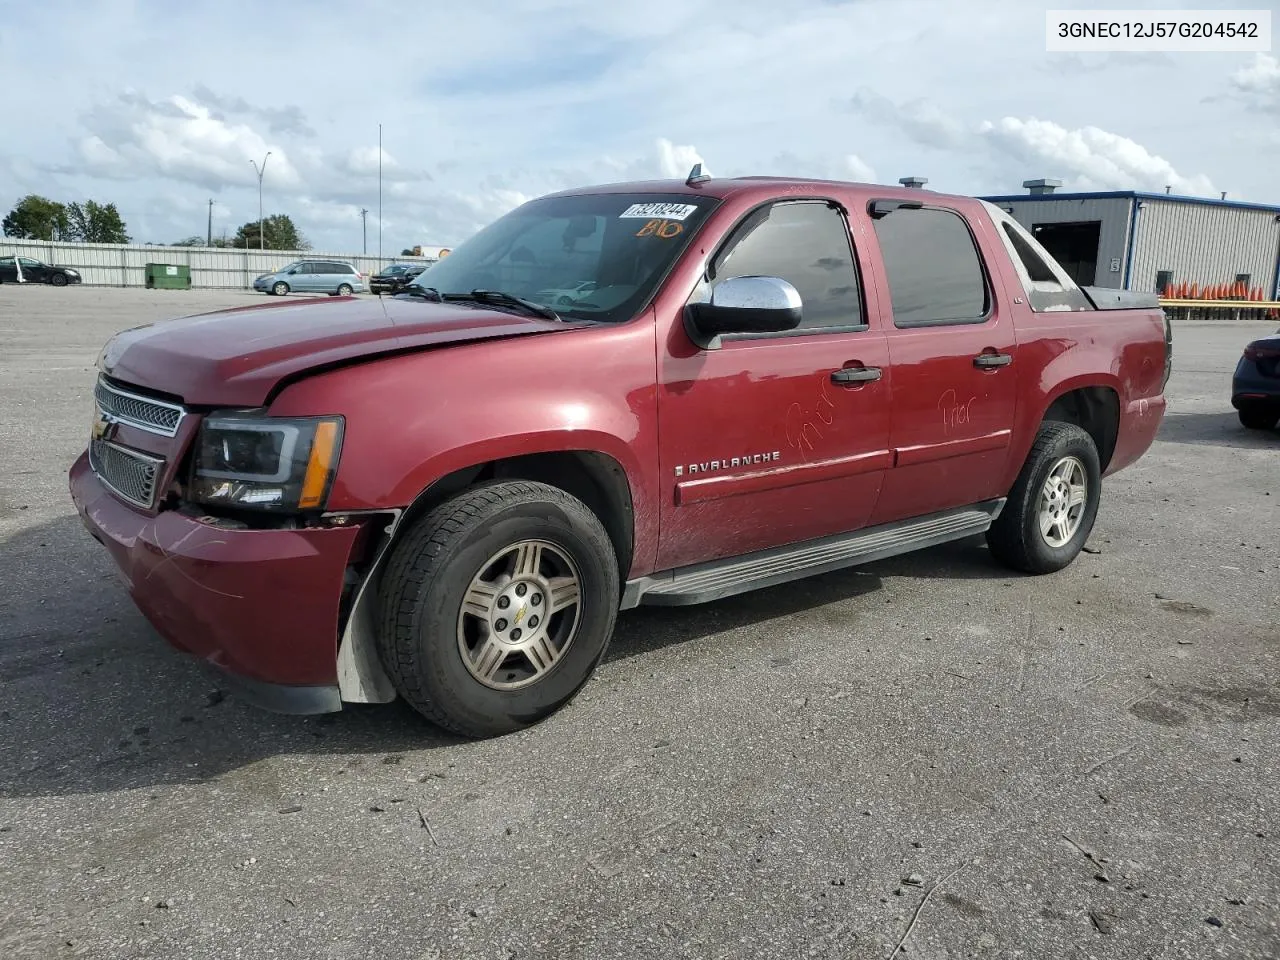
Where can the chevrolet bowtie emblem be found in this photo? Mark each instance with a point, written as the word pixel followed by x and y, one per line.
pixel 104 426
pixel 520 613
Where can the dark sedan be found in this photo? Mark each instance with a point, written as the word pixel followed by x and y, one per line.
pixel 35 271
pixel 1255 388
pixel 392 279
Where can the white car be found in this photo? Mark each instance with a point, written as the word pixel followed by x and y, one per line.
pixel 567 296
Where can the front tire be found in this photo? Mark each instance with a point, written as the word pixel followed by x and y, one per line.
pixel 58 280
pixel 1258 417
pixel 280 289
pixel 497 607
pixel 1051 509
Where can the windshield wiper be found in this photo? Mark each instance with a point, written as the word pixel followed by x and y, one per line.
pixel 506 299
pixel 426 293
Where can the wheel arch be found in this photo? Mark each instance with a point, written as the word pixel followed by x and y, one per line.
pixel 592 476
pixel 1092 406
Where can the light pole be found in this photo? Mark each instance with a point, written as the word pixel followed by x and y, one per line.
pixel 379 196
pixel 208 238
pixel 260 171
pixel 364 230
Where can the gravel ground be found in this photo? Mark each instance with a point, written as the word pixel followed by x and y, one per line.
pixel 1084 765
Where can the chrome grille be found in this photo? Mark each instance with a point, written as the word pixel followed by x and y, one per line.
pixel 145 413
pixel 129 474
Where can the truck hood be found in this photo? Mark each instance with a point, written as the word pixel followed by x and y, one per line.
pixel 236 357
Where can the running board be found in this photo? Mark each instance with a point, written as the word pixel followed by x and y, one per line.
pixel 723 578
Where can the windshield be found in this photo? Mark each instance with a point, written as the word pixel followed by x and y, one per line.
pixel 395 268
pixel 593 256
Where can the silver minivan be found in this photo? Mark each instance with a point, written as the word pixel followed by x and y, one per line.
pixel 334 277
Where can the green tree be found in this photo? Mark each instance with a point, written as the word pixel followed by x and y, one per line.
pixel 407 252
pixel 194 241
pixel 36 218
pixel 278 231
pixel 93 222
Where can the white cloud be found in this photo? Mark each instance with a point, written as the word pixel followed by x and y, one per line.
pixel 365 160
pixel 1089 158
pixel 1260 81
pixel 859 169
pixel 179 138
pixel 920 119
pixel 677 161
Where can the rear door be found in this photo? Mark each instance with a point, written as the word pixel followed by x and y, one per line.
pixel 8 270
pixel 954 354
pixel 328 276
pixel 764 441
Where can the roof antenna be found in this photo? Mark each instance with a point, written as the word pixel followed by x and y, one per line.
pixel 696 176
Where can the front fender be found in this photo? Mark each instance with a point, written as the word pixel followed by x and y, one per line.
pixel 415 418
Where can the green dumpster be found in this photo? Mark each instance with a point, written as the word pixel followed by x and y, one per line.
pixel 168 276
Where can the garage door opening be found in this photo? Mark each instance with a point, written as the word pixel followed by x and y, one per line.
pixel 1074 245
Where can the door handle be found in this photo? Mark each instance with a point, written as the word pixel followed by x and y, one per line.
pixel 855 375
pixel 985 361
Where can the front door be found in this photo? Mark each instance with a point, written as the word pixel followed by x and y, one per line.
pixel 954 354
pixel 8 269
pixel 309 280
pixel 33 271
pixel 760 445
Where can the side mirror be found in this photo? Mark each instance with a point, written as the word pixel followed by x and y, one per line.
pixel 743 305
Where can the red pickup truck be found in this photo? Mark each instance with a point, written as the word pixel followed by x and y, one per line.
pixel 448 495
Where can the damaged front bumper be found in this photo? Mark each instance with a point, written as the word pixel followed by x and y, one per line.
pixel 263 606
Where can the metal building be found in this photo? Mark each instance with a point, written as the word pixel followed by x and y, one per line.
pixel 1146 241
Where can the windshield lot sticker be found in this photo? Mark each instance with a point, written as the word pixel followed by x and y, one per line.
pixel 666 229
pixel 652 211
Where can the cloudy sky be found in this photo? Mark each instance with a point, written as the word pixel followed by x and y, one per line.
pixel 161 106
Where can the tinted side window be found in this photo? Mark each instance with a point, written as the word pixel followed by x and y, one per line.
pixel 935 275
pixel 807 244
pixel 1037 269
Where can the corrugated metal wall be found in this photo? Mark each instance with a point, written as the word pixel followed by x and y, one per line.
pixel 124 266
pixel 1205 243
pixel 1113 237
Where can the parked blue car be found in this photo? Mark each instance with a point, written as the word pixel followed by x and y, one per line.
pixel 334 277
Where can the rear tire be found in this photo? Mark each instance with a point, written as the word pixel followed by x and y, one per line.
pixel 1258 417
pixel 344 290
pixel 466 577
pixel 1051 509
pixel 280 289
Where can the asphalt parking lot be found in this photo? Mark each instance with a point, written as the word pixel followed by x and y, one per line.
pixel 1087 761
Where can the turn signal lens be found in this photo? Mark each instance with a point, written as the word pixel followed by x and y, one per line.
pixel 320 465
